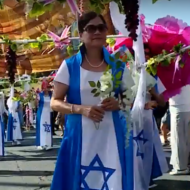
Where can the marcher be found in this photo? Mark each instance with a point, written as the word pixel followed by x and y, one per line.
pixel 43 118
pixel 14 132
pixel 85 146
pixel 180 130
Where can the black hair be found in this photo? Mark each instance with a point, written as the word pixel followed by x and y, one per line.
pixel 146 46
pixel 85 18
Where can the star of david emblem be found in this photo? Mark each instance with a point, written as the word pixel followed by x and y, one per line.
pixel 96 165
pixel 47 127
pixel 14 121
pixel 140 138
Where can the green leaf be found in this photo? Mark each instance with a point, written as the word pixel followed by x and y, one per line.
pixel 111 59
pixel 119 64
pixel 97 94
pixel 181 65
pixel 117 55
pixel 14 47
pixel 154 1
pixel 118 82
pixel 153 70
pixel 94 91
pixel 118 75
pixel 92 84
pixel 34 45
pixel 40 46
pixel 98 84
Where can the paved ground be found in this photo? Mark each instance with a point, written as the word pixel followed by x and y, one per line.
pixel 25 168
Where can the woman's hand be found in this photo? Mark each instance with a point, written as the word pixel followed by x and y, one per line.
pixel 150 105
pixel 95 113
pixel 110 104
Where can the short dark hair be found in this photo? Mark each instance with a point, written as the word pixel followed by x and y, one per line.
pixel 85 18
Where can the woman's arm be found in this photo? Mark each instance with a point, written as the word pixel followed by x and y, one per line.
pixel 57 100
pixel 159 98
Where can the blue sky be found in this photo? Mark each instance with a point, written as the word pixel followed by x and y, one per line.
pixel 178 8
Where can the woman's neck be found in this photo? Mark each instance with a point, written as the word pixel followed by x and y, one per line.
pixel 94 55
pixel 46 93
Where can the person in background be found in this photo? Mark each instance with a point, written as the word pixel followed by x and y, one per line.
pixel 14 133
pixel 2 124
pixel 21 114
pixel 165 127
pixel 179 106
pixel 60 121
pixel 153 148
pixel 43 118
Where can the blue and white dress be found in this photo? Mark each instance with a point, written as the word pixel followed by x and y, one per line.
pixel 91 159
pixel 43 121
pixel 2 134
pixel 149 159
pixel 2 128
pixel 14 132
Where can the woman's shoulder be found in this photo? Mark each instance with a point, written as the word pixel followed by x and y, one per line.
pixel 72 60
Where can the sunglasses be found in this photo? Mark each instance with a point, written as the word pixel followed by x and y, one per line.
pixel 93 28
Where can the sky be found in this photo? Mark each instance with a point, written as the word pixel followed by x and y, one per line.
pixel 177 8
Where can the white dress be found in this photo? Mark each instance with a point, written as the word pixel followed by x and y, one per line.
pixel 14 127
pixel 45 124
pixel 99 147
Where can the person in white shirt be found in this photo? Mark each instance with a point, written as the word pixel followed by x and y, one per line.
pixel 180 131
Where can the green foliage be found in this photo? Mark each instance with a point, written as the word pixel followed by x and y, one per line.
pixel 35 45
pixel 154 1
pixel 39 9
pixel 164 60
pixel 1 4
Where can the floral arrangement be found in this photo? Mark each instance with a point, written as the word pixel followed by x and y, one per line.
pixel 28 97
pixel 107 85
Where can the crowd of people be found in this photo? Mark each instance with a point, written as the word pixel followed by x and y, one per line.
pixel 94 137
pixel 17 117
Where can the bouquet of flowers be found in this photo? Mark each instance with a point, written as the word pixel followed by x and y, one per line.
pixel 28 97
pixel 109 82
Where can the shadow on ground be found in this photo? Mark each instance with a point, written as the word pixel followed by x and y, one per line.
pixel 28 185
pixel 172 185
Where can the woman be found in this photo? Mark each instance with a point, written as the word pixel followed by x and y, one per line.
pixel 21 115
pixel 14 132
pixel 2 129
pixel 165 128
pixel 60 121
pixel 90 158
pixel 43 119
pixel 154 161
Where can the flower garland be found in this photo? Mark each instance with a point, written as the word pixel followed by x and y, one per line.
pixel 164 59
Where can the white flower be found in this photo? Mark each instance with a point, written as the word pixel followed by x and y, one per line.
pixel 106 83
pixel 106 77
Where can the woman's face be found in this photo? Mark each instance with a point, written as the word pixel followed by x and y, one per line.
pixel 94 34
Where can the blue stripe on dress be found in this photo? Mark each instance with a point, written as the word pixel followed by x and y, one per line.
pixel 10 127
pixel 3 135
